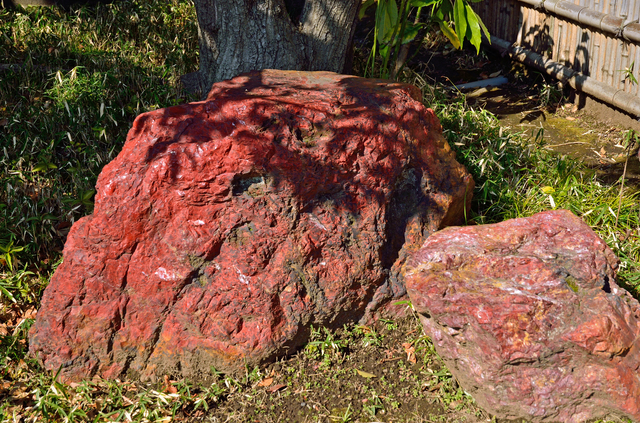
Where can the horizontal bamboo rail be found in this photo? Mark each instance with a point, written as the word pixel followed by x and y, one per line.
pixel 578 81
pixel 620 27
pixel 591 44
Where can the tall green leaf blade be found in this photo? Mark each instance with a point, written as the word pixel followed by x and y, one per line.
pixel 364 7
pixel 484 28
pixel 450 34
pixel 386 20
pixel 391 19
pixel 422 3
pixel 460 19
pixel 387 28
pixel 381 14
pixel 393 12
pixel 474 25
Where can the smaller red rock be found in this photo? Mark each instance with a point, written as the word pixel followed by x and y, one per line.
pixel 527 315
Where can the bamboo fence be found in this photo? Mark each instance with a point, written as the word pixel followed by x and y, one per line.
pixel 592 44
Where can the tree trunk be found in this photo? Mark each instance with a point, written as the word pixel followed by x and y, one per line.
pixel 238 36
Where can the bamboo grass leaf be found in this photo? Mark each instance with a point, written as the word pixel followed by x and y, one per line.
pixel 449 33
pixel 364 7
pixel 422 3
pixel 460 19
pixel 484 28
pixel 474 26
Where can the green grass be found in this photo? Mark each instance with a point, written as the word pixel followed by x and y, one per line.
pixel 339 376
pixel 72 86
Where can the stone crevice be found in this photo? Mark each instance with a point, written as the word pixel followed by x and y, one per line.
pixel 153 343
pixel 125 279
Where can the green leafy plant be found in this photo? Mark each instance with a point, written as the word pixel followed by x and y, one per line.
pixel 550 94
pixel 369 335
pixel 53 403
pixel 628 74
pixel 326 348
pixel 13 345
pixel 393 30
pixel 44 165
pixel 373 405
pixel 630 142
pixel 15 286
pixel 82 199
pixel 8 253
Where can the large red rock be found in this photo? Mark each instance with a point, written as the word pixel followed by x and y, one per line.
pixel 225 228
pixel 527 315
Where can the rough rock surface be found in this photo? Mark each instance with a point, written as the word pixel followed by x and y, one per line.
pixel 225 228
pixel 527 315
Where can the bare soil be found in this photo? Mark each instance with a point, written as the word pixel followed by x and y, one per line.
pixel 388 372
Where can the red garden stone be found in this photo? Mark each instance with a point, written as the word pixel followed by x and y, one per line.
pixel 527 315
pixel 226 228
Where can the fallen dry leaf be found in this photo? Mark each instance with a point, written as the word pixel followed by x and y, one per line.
pixel 275 388
pixel 435 387
pixel 168 387
pixel 30 313
pixel 127 400
pixel 20 391
pixel 410 351
pixel 265 382
pixel 365 374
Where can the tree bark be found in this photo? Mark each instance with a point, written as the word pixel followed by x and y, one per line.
pixel 238 36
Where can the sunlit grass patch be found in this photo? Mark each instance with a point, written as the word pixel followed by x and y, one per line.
pixel 71 86
pixel 77 87
pixel 397 378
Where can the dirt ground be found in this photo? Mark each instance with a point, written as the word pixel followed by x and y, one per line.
pixel 388 372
